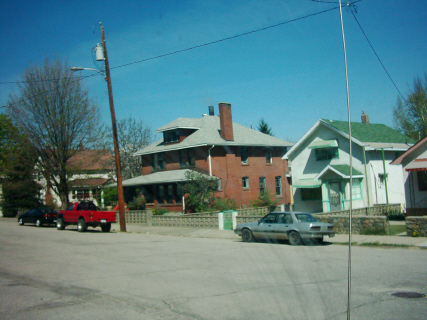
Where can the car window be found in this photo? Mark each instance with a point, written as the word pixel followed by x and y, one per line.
pixel 270 218
pixel 305 217
pixel 71 207
pixel 285 218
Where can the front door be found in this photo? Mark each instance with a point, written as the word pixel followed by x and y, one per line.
pixel 335 196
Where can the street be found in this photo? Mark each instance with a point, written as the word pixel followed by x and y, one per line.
pixel 51 274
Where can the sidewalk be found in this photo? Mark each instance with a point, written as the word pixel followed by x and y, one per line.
pixel 403 240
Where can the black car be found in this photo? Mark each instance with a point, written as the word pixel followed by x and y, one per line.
pixel 39 216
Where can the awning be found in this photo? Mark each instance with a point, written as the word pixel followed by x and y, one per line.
pixel 323 144
pixel 307 183
pixel 89 183
pixel 417 165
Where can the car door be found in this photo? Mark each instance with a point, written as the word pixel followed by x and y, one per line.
pixel 32 215
pixel 265 228
pixel 283 225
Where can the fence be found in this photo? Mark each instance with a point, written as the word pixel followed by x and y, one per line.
pixel 362 223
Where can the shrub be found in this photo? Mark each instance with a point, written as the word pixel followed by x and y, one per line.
pixel 159 210
pixel 265 200
pixel 138 202
pixel 222 204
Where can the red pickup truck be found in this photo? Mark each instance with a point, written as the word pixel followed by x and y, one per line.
pixel 85 214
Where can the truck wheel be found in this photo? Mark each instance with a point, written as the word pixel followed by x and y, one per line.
pixel 106 227
pixel 81 225
pixel 60 224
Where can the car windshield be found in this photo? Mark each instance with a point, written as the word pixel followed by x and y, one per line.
pixel 305 217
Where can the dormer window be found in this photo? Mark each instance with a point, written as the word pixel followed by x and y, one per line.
pixel 170 136
pixel 325 149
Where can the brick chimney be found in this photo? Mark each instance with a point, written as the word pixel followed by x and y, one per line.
pixel 226 121
pixel 365 117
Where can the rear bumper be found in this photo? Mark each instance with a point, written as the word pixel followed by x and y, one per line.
pixel 317 235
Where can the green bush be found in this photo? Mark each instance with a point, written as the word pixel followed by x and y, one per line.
pixel 265 200
pixel 159 211
pixel 138 202
pixel 395 216
pixel 373 231
pixel 222 204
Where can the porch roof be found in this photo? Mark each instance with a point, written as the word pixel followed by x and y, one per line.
pixel 417 165
pixel 342 170
pixel 307 183
pixel 159 177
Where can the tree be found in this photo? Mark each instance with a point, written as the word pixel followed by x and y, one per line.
pixel 410 116
pixel 200 190
pixel 17 168
pixel 265 199
pixel 53 109
pixel 264 127
pixel 133 135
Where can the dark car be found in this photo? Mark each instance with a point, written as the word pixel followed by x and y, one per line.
pixel 39 216
pixel 293 226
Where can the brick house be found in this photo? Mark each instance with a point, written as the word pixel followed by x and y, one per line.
pixel 89 171
pixel 245 161
pixel 414 167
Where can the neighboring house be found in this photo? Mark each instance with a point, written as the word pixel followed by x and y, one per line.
pixel 89 170
pixel 319 164
pixel 246 162
pixel 414 164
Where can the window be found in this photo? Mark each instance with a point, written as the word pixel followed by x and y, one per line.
pixel 278 186
pixel 170 136
pixel 219 185
pixel 245 182
pixel 381 177
pixel 422 180
pixel 311 194
pixel 178 193
pixel 357 189
pixel 268 158
pixel 244 155
pixel 187 158
pixel 159 162
pixel 326 153
pixel 262 184
pixel 270 218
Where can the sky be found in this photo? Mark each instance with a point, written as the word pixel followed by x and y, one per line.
pixel 292 74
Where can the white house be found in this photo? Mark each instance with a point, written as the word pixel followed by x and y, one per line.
pixel 414 165
pixel 319 166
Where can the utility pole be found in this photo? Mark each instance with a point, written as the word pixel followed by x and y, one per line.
pixel 121 200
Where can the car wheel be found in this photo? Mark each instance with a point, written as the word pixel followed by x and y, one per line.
pixel 20 222
pixel 60 224
pixel 247 235
pixel 106 227
pixel 294 238
pixel 81 225
pixel 39 223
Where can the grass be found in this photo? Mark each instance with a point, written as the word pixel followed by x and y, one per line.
pixel 396 229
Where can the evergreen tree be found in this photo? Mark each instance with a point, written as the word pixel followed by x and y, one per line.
pixel 264 127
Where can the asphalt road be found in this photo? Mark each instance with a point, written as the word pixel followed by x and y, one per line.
pixel 50 274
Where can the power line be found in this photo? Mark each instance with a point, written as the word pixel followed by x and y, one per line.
pixel 227 38
pixel 382 64
pixel 204 44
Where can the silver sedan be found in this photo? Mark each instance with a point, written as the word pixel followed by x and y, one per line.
pixel 293 226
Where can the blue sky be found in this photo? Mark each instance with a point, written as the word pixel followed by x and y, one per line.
pixel 292 75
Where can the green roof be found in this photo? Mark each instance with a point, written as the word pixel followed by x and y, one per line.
pixel 345 169
pixel 379 133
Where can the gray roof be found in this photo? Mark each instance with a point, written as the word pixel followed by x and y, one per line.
pixel 208 134
pixel 156 177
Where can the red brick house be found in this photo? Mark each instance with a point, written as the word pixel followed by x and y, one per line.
pixel 245 161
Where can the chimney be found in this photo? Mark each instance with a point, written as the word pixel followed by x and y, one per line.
pixel 211 111
pixel 226 121
pixel 365 117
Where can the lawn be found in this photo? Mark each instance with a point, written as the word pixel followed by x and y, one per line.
pixel 396 229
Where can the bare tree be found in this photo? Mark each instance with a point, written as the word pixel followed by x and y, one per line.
pixel 133 135
pixel 53 109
